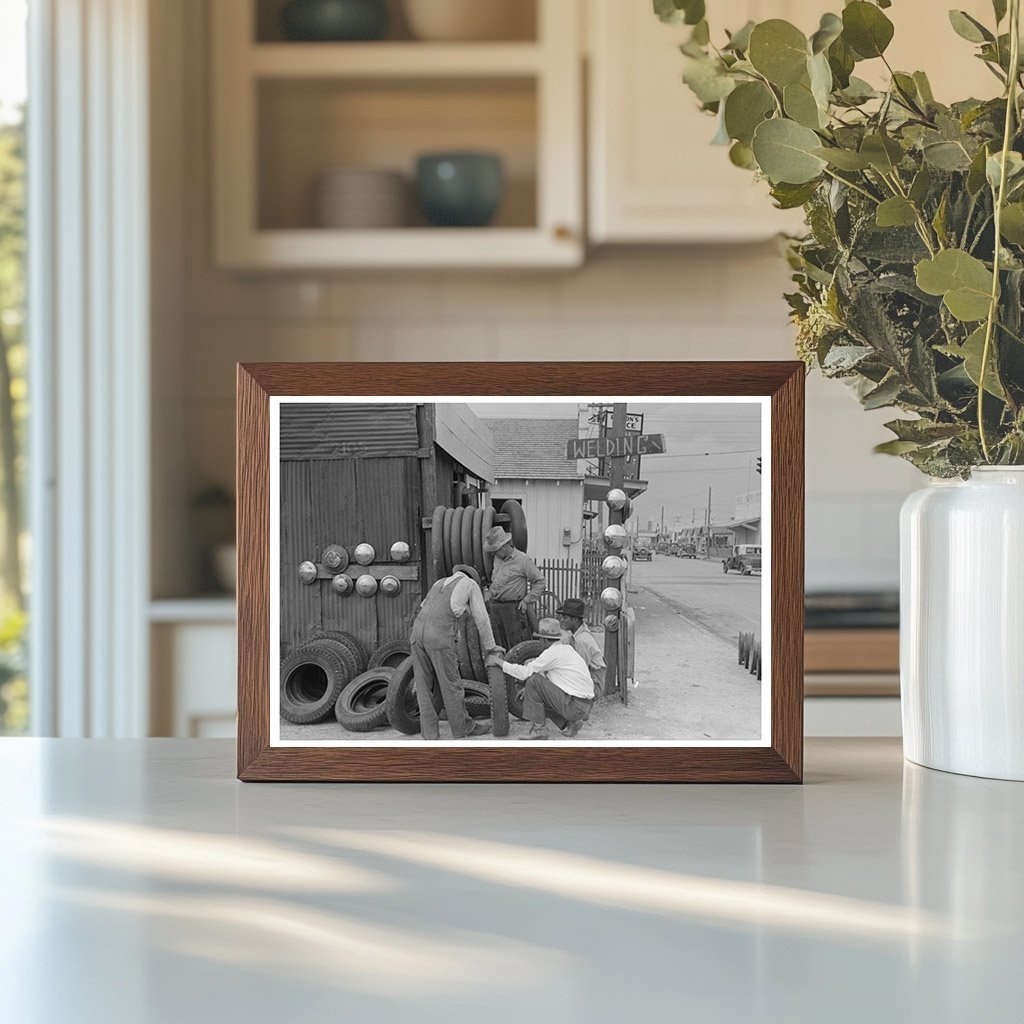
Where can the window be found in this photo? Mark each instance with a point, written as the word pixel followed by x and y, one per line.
pixel 14 551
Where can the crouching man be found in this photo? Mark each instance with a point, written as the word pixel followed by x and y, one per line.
pixel 434 660
pixel 558 685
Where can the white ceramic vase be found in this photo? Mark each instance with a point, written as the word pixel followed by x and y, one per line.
pixel 962 624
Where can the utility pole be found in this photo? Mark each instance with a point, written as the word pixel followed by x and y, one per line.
pixel 709 523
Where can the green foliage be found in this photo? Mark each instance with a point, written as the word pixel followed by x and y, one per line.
pixel 903 289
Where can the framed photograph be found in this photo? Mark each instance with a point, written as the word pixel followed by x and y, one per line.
pixel 557 572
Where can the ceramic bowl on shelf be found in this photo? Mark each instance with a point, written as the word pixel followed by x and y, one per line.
pixel 463 189
pixel 361 198
pixel 471 20
pixel 333 21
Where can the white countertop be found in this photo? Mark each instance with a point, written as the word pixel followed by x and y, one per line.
pixel 143 885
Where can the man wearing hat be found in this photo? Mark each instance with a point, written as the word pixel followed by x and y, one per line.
pixel 558 685
pixel 516 584
pixel 570 618
pixel 432 646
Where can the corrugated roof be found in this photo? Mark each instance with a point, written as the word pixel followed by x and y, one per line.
pixel 533 449
pixel 347 430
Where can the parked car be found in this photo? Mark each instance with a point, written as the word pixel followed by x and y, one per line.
pixel 745 557
pixel 687 551
pixel 643 554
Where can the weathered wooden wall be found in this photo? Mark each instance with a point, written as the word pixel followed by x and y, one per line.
pixel 549 506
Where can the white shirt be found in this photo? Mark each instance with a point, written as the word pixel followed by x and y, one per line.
pixel 563 665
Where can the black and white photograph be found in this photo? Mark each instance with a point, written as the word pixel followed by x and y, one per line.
pixel 544 569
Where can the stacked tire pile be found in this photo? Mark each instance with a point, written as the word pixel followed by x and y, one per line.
pixel 457 536
pixel 334 673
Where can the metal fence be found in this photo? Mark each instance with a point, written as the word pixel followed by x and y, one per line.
pixel 567 578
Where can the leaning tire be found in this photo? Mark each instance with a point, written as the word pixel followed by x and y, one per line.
pixel 312 678
pixel 403 708
pixel 499 700
pixel 520 655
pixel 389 655
pixel 362 705
pixel 462 652
pixel 517 523
pixel 725 568
pixel 476 654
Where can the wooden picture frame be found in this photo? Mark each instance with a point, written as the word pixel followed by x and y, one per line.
pixel 779 759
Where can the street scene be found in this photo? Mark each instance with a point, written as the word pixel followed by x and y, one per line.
pixel 559 572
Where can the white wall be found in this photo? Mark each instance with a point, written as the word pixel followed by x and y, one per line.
pixel 549 505
pixel 718 302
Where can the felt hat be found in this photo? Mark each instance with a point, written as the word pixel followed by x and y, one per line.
pixel 469 571
pixel 548 629
pixel 574 607
pixel 496 539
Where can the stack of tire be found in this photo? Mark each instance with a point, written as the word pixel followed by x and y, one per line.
pixel 457 536
pixel 334 673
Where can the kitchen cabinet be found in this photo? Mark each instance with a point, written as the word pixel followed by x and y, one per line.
pixel 653 175
pixel 287 113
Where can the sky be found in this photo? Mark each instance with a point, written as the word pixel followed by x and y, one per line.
pixel 12 56
pixel 712 444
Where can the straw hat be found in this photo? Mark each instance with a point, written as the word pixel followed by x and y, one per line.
pixel 469 571
pixel 548 629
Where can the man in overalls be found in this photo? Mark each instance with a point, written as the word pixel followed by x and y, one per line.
pixel 432 645
pixel 516 585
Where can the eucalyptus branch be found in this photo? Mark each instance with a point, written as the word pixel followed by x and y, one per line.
pixel 1000 199
pixel 853 185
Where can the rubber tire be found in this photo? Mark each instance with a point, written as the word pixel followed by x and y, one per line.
pixel 499 701
pixel 462 652
pixel 298 708
pixel 478 541
pixel 514 510
pixel 476 654
pixel 403 709
pixel 520 655
pixel 359 650
pixel 488 555
pixel 348 714
pixel 725 568
pixel 346 650
pixel 446 544
pixel 437 543
pixel 478 703
pixel 457 516
pixel 466 544
pixel 387 655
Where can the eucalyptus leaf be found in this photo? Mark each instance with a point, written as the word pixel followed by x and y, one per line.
pixel 947 156
pixel 895 447
pixel 972 353
pixel 739 41
pixel 741 155
pixel 883 153
pixel 844 159
pixel 895 212
pixel 800 105
pixel 785 152
pixel 969 28
pixel 1012 223
pixel 708 81
pixel 999 7
pixel 866 29
pixel 779 51
pixel 745 108
pixel 963 281
pixel 789 197
pixel 829 30
pixel 676 12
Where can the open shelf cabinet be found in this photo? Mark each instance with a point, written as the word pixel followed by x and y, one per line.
pixel 285 113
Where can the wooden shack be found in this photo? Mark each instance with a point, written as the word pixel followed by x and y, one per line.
pixel 354 472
